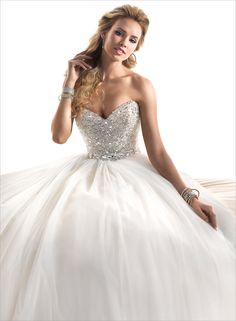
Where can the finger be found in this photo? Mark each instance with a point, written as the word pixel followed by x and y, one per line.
pixel 87 64
pixel 89 57
pixel 78 59
pixel 83 56
pixel 211 215
pixel 213 221
pixel 203 216
pixel 82 62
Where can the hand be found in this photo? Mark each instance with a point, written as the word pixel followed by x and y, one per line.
pixel 205 212
pixel 73 72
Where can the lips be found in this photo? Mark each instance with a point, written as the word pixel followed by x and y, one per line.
pixel 119 50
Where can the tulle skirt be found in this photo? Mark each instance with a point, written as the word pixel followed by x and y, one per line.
pixel 87 239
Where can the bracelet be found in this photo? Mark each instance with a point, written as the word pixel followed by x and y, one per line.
pixel 188 194
pixel 67 89
pixel 65 95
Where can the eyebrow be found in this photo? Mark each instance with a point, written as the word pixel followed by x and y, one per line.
pixel 126 32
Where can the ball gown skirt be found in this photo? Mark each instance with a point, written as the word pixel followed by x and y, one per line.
pixel 103 236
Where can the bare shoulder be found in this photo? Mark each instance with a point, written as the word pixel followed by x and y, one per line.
pixel 146 98
pixel 139 81
pixel 144 90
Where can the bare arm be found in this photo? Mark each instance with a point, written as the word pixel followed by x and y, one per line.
pixel 157 154
pixel 62 122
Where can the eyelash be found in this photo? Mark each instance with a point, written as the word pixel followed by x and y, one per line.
pixel 134 41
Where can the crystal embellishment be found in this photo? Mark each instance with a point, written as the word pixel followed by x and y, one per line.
pixel 114 137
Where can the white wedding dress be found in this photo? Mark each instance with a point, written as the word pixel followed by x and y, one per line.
pixel 103 236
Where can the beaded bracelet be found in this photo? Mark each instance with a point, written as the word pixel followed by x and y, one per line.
pixel 188 194
pixel 65 95
pixel 67 89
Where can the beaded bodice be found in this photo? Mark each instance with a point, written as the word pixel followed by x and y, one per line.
pixel 113 137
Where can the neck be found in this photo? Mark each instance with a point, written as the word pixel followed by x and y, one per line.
pixel 111 69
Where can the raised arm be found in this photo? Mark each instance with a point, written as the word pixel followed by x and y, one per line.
pixel 62 122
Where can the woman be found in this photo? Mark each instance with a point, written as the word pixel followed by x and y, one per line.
pixel 112 234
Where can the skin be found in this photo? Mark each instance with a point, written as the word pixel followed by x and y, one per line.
pixel 120 85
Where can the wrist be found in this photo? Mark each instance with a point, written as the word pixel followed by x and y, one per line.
pixel 188 194
pixel 193 200
pixel 69 83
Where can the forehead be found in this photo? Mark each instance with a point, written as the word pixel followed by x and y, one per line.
pixel 131 26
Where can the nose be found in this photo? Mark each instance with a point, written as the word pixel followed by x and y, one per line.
pixel 124 42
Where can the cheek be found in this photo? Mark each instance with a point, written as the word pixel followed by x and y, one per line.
pixel 114 38
pixel 133 47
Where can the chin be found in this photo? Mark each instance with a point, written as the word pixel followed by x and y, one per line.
pixel 115 58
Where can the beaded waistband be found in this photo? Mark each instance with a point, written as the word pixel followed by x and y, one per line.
pixel 114 156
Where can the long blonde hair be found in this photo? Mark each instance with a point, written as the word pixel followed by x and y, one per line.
pixel 89 80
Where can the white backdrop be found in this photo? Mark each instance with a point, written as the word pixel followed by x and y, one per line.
pixel 188 54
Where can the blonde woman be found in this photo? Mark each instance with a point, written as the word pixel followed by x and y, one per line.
pixel 113 234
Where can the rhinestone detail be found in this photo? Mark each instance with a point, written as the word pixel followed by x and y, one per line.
pixel 114 137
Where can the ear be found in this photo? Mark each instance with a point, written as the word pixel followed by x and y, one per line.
pixel 102 35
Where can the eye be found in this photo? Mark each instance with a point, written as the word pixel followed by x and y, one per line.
pixel 117 32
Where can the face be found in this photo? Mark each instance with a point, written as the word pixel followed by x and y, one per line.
pixel 122 39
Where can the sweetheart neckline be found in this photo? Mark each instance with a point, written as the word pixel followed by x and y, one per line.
pixel 115 109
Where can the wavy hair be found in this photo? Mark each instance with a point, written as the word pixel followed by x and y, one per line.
pixel 90 80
